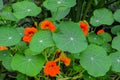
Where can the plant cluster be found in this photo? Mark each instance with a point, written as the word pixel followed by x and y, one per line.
pixel 60 40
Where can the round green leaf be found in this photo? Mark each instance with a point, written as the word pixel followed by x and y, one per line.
pixel 95 60
pixel 53 5
pixel 25 8
pixel 93 38
pixel 20 31
pixel 9 36
pixel 29 52
pixel 115 57
pixel 107 47
pixel 21 46
pixel 29 65
pixel 7 63
pixel 70 37
pixel 116 43
pixel 60 13
pixel 117 15
pixel 102 16
pixel 116 29
pixel 6 59
pixel 4 54
pixel 106 36
pixel 21 76
pixel 41 40
pixel 86 76
pixel 8 15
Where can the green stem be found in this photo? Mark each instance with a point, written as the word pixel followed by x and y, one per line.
pixel 79 76
pixel 33 19
pixel 26 77
pixel 111 2
pixel 45 54
pixel 73 13
pixel 100 3
pixel 87 9
pixel 82 10
pixel 36 78
pixel 79 9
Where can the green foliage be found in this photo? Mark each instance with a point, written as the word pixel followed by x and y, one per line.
pixel 41 40
pixel 29 52
pixel 29 65
pixel 7 63
pixel 60 13
pixel 6 59
pixel 95 60
pixel 116 43
pixel 9 36
pixel 70 37
pixel 21 77
pixel 20 31
pixel 26 48
pixel 3 55
pixel 53 5
pixel 106 37
pixel 59 7
pixel 116 30
pixel 107 47
pixel 115 57
pixel 95 39
pixel 8 15
pixel 25 8
pixel 117 15
pixel 1 4
pixel 102 16
pixel 2 76
pixel 21 46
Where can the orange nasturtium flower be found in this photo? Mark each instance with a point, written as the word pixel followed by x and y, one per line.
pixel 48 25
pixel 3 48
pixel 85 27
pixel 51 69
pixel 64 59
pixel 100 31
pixel 29 32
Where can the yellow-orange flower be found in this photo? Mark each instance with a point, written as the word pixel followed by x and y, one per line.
pixel 100 31
pixel 48 25
pixel 3 48
pixel 85 27
pixel 29 32
pixel 51 69
pixel 64 59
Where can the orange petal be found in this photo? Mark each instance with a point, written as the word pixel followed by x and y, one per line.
pixel 51 69
pixel 66 61
pixel 3 48
pixel 28 30
pixel 84 26
pixel 100 31
pixel 48 25
pixel 27 38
